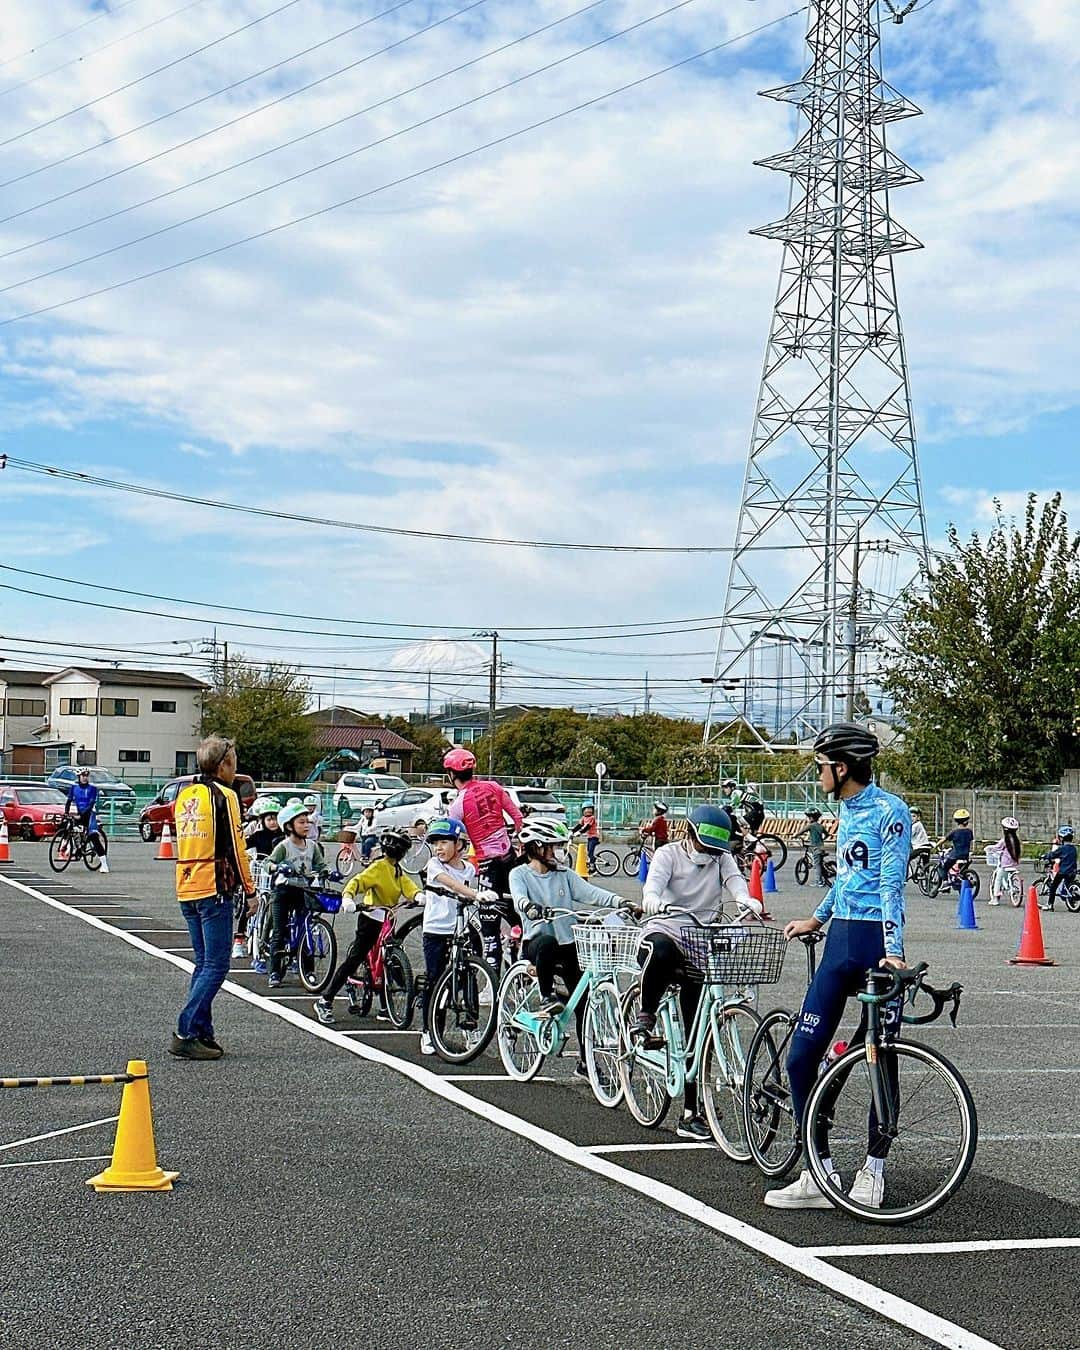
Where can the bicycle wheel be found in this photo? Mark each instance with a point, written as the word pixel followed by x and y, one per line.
pixel 519 1049
pixel 631 862
pixel 601 1046
pixel 936 1130
pixel 462 1009
pixel 398 992
pixel 1070 893
pixel 317 953
pixel 772 1135
pixel 605 862
pixel 976 883
pixel 361 992
pixel 776 847
pixel 1014 888
pixel 60 852
pixel 802 871
pixel 345 862
pixel 935 879
pixel 720 1080
pixel 90 856
pixel 644 1084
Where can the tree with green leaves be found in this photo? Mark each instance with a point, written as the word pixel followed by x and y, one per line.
pixel 430 740
pixel 262 709
pixel 986 679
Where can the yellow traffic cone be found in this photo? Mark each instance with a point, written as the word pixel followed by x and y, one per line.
pixel 581 867
pixel 134 1165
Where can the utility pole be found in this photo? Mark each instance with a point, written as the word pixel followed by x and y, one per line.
pixel 853 625
pixel 225 668
pixel 493 679
pixel 428 714
pixel 646 693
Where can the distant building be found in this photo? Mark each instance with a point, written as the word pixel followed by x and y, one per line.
pixel 340 728
pixel 464 723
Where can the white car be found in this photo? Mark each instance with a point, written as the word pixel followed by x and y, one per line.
pixel 404 809
pixel 538 801
pixel 365 789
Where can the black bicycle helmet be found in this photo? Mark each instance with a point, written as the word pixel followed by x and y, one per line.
pixel 395 843
pixel 710 828
pixel 813 813
pixel 847 740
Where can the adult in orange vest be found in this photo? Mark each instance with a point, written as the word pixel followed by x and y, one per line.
pixel 211 871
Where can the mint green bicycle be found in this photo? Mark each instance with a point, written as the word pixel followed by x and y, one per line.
pixel 526 1037
pixel 728 959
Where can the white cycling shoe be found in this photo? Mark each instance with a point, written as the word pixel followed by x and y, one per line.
pixel 868 1188
pixel 803 1193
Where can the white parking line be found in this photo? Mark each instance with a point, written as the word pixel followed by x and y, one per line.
pixel 643 1148
pixel 55 1134
pixel 490 1078
pixel 945 1248
pixel 176 949
pixel 832 1279
pixel 50 1162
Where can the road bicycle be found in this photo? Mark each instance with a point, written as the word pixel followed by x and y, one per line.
pixel 951 876
pixel 729 959
pixel 310 940
pixel 461 1009
pixel 916 1101
pixel 72 842
pixel 803 865
pixel 606 946
pixel 1067 891
pixel 386 972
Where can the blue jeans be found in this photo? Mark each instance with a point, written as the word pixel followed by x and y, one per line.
pixel 210 923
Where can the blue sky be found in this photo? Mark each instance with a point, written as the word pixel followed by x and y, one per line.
pixel 559 338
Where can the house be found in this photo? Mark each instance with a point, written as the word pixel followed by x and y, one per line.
pixel 142 723
pixel 464 723
pixel 341 728
pixel 24 709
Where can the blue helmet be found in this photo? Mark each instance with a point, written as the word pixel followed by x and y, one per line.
pixel 448 829
pixel 1065 831
pixel 710 828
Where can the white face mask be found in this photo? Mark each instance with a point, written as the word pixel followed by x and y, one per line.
pixel 561 856
pixel 699 859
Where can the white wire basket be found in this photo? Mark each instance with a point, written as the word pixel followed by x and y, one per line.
pixel 260 874
pixel 607 951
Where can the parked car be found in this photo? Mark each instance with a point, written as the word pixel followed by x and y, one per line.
pixel 403 809
pixel 533 801
pixel 365 788
pixel 112 791
pixel 153 816
pixel 31 810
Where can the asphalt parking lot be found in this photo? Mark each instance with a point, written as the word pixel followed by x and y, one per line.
pixel 324 1191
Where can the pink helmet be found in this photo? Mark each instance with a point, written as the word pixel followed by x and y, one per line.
pixel 457 759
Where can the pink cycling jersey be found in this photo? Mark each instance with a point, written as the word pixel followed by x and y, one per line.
pixel 479 806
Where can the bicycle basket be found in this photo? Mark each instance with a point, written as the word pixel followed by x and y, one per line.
pixel 607 951
pixel 736 954
pixel 323 902
pixel 260 875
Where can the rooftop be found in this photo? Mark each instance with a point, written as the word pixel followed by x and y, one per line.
pixel 353 738
pixel 106 675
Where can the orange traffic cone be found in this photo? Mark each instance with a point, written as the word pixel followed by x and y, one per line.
pixel 1032 952
pixel 134 1165
pixel 754 884
pixel 165 847
pixel 5 847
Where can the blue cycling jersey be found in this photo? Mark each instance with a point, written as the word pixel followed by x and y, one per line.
pixel 872 847
pixel 84 798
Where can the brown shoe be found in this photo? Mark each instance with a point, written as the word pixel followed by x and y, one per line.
pixel 187 1047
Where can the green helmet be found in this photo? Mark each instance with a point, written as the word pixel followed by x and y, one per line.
pixel 289 813
pixel 265 806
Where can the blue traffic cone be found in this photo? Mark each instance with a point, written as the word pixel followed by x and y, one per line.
pixel 770 878
pixel 643 867
pixel 965 908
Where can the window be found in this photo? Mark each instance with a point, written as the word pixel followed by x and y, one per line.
pixel 119 707
pixel 26 707
pixel 170 792
pixel 78 707
pixel 134 756
pixel 163 705
pixel 185 762
pixel 86 757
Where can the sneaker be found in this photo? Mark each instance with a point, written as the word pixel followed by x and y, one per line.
pixel 550 1006
pixel 209 1040
pixel 995 902
pixel 259 967
pixel 1049 908
pixel 801 1194
pixel 641 1031
pixel 427 1045
pixel 868 1188
pixel 381 1015
pixel 324 1011
pixel 694 1127
pixel 239 949
pixel 187 1047
pixel 581 1070
pixel 274 982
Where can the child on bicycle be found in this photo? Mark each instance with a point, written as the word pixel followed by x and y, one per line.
pixel 546 881
pixel 305 859
pixel 589 826
pixel 657 828
pixel 814 837
pixel 920 839
pixel 960 840
pixel 449 877
pixel 1007 849
pixel 1063 857
pixel 380 886
pixel 262 836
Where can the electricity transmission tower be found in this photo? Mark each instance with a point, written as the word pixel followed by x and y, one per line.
pixel 832 474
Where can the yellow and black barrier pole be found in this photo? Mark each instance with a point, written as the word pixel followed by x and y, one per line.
pixel 134 1165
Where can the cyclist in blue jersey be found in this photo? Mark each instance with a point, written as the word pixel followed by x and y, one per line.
pixel 1064 854
pixel 864 909
pixel 82 797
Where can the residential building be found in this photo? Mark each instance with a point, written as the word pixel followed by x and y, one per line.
pixel 464 723
pixel 378 747
pixel 24 708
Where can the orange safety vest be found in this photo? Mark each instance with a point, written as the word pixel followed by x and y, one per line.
pixel 196 845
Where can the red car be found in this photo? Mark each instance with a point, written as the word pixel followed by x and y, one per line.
pixel 31 809
pixel 152 818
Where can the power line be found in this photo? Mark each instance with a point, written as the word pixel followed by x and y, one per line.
pixel 282 145
pixel 56 37
pixel 158 70
pixel 346 155
pixel 398 182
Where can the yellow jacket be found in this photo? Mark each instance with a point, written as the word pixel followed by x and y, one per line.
pixel 198 865
pixel 379 885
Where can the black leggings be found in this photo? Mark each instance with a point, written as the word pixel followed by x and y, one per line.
pixel 285 902
pixel 495 875
pixel 1055 882
pixel 549 956
pixel 663 964
pixel 367 934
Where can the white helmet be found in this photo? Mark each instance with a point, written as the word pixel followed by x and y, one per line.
pixel 1010 823
pixel 661 807
pixel 312 800
pixel 541 830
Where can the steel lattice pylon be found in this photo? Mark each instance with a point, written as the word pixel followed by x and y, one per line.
pixel 833 465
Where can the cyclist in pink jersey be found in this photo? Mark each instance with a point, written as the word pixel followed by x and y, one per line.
pixel 482 807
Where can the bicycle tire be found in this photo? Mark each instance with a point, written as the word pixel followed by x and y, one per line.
pixel 644 1085
pixel 771 1131
pixel 463 992
pixel 601 1048
pixel 827 1101
pixel 60 852
pixel 802 871
pixel 1015 888
pixel 605 862
pixel 316 954
pixel 975 882
pixel 935 881
pixel 1071 895
pixel 345 862
pixel 361 992
pixel 399 994
pixel 91 857
pixel 721 1077
pixel 519 1049
pixel 776 847
pixel 631 862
